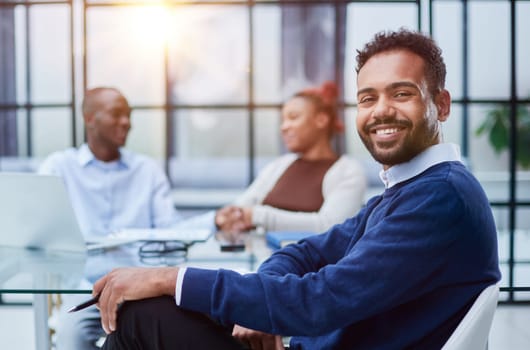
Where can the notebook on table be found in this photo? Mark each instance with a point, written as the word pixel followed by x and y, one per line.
pixel 36 212
pixel 280 239
pixel 187 235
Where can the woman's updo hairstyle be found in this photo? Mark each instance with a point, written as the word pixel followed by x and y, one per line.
pixel 324 99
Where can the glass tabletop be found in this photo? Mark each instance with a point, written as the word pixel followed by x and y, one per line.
pixel 43 272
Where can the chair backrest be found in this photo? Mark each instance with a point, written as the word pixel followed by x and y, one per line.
pixel 472 332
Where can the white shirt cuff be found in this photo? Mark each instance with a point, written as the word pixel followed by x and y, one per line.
pixel 178 285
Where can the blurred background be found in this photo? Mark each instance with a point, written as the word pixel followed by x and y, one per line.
pixel 206 80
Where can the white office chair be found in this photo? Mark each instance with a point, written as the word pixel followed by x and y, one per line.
pixel 472 332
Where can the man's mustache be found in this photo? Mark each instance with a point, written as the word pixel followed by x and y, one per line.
pixel 390 121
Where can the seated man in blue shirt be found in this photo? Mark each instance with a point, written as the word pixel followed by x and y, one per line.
pixel 111 189
pixel 400 274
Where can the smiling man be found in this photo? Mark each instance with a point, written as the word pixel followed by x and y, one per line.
pixel 111 188
pixel 401 102
pixel 400 274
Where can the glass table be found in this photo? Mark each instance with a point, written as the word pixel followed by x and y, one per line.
pixel 40 273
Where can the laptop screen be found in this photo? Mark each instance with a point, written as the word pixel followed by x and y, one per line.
pixel 36 213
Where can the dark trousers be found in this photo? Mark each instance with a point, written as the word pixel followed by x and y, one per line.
pixel 158 323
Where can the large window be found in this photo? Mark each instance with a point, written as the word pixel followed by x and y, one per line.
pixel 206 81
pixel 36 72
pixel 486 54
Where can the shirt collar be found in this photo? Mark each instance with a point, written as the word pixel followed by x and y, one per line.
pixel 86 157
pixel 444 152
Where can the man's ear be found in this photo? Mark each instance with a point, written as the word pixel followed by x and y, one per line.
pixel 89 120
pixel 443 104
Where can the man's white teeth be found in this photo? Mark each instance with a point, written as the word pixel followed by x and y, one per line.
pixel 386 131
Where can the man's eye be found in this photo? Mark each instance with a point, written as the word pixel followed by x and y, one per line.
pixel 403 94
pixel 366 99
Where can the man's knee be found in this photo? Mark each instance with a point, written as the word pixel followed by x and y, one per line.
pixel 157 323
pixel 142 313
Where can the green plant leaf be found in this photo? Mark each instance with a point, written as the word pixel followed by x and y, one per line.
pixel 497 126
pixel 498 136
pixel 485 126
pixel 523 140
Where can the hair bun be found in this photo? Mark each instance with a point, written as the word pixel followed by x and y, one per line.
pixel 329 92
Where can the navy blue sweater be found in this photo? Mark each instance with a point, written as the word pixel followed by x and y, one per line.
pixel 400 274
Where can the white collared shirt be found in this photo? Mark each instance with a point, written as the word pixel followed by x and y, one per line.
pixel 443 152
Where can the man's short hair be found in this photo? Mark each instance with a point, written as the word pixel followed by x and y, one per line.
pixel 415 42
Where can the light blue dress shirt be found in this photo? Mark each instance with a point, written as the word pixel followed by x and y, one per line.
pixel 132 192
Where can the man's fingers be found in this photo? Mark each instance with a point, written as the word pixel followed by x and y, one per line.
pixel 99 285
pixel 103 311
pixel 113 314
pixel 109 314
pixel 279 343
pixel 131 284
pixel 108 306
pixel 257 340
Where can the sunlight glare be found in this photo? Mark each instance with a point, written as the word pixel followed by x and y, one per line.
pixel 149 26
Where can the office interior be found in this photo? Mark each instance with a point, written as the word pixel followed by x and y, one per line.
pixel 206 81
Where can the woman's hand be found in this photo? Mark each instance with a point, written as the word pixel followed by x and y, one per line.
pixel 234 219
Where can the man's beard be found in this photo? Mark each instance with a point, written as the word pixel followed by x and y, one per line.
pixel 403 150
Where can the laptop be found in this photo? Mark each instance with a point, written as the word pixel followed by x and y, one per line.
pixel 36 213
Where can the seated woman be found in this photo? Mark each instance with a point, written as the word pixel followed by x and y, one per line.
pixel 309 189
